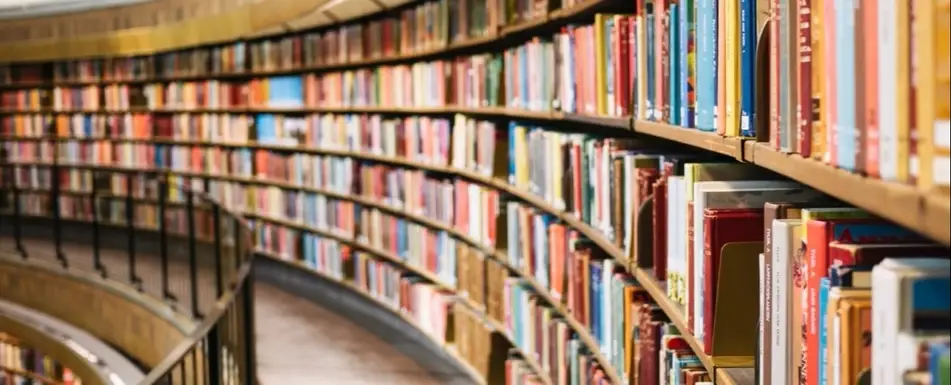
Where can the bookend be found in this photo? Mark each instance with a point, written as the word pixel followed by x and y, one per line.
pixel 736 314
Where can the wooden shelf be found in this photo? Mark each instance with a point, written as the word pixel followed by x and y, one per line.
pixel 552 17
pixel 928 214
pixel 710 141
pixel 620 123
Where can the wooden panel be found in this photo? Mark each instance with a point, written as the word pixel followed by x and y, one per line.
pixel 145 329
pixel 170 24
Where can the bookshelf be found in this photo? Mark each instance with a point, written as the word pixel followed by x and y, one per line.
pixel 395 109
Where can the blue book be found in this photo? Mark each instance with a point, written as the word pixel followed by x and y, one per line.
pixel 309 254
pixel 595 296
pixel 748 35
pixel 512 152
pixel 938 351
pixel 266 128
pixel 673 83
pixel 713 61
pixel 844 126
pixel 540 237
pixel 651 71
pixel 401 244
pixel 824 287
pixel 285 91
pixel 704 106
pixel 523 77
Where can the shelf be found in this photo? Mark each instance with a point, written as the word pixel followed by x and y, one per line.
pixel 928 214
pixel 621 123
pixel 555 16
pixel 710 141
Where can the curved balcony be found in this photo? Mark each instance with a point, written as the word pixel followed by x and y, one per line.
pixel 176 294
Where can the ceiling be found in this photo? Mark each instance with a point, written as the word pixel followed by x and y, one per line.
pixel 16 9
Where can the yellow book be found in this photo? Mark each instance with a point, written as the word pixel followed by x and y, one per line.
pixel 818 80
pixel 902 93
pixel 932 107
pixel 732 63
pixel 601 40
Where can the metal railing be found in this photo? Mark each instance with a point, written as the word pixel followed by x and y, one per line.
pixel 143 229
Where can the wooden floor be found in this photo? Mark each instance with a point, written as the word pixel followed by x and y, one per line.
pixel 298 342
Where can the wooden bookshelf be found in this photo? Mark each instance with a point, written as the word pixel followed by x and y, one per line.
pixel 710 141
pixel 904 204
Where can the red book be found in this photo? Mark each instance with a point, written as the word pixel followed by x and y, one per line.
pixel 648 371
pixel 804 93
pixel 723 226
pixel 848 254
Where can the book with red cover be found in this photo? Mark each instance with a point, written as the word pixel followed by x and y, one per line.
pixel 723 226
pixel 850 254
pixel 660 227
pixel 649 343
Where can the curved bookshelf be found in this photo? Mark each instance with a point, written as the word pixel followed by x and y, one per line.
pixel 924 212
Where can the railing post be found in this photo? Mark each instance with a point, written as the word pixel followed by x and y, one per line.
pixel 213 354
pixel 216 225
pixel 163 237
pixel 192 254
pixel 96 257
pixel 249 354
pixel 17 220
pixel 130 226
pixel 55 193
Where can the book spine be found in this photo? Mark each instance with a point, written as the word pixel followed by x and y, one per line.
pixel 673 49
pixel 829 99
pixel 817 241
pixel 804 102
pixel 843 146
pixel 871 59
pixel 747 71
pixel 732 67
pixel 721 67
pixel 774 71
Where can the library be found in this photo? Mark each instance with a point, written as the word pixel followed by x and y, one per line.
pixel 496 192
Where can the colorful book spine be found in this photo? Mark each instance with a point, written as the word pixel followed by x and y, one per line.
pixel 747 67
pixel 844 130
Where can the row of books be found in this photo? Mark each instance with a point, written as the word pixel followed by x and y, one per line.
pixel 540 75
pixel 23 365
pixel 111 69
pixel 421 27
pixel 709 197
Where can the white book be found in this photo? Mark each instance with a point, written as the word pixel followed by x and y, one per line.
pixel 888 63
pixel 783 255
pixel 892 309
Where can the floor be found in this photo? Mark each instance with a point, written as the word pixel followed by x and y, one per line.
pixel 298 341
